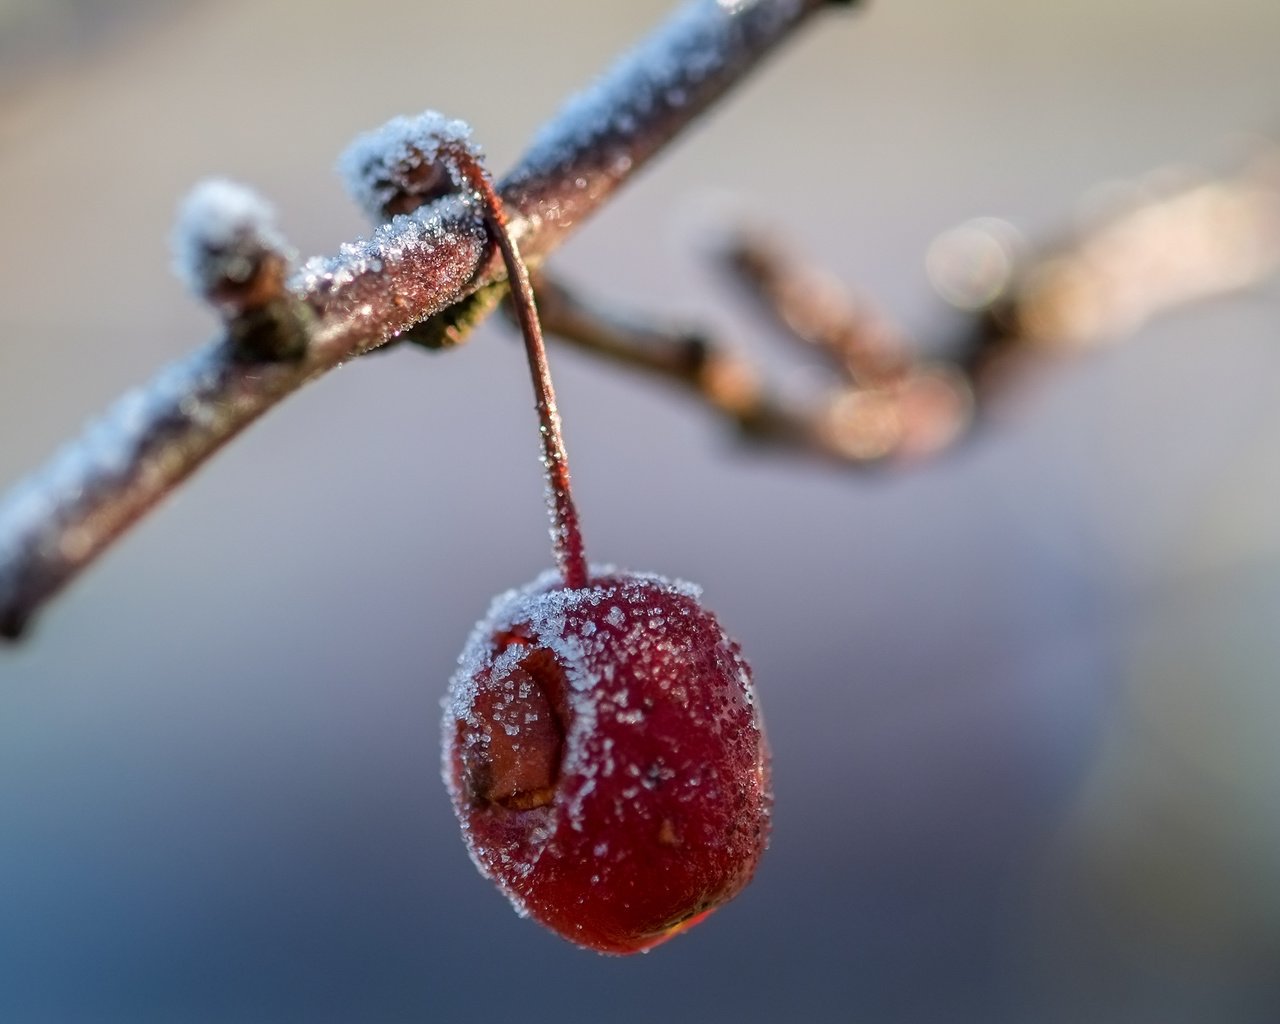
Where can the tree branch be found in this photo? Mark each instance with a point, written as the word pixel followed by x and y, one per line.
pixel 53 524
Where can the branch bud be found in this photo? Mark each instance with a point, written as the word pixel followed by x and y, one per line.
pixel 405 164
pixel 228 251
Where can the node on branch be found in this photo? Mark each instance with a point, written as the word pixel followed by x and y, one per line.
pixel 229 252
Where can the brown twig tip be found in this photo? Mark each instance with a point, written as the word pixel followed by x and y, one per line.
pixel 1162 247
pixel 1140 250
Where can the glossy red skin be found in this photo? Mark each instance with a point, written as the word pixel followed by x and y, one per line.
pixel 659 809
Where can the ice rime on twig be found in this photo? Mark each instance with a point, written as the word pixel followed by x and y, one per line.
pixel 405 164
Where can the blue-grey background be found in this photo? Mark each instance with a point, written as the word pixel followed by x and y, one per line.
pixel 1024 703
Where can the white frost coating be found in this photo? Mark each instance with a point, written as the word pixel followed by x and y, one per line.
pixel 403 236
pixel 36 509
pixel 693 42
pixel 543 601
pixel 371 163
pixel 223 230
pixel 541 606
pixel 667 69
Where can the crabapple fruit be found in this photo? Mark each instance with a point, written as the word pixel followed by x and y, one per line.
pixel 605 756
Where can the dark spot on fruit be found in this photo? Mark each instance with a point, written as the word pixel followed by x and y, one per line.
pixel 513 759
pixel 667 835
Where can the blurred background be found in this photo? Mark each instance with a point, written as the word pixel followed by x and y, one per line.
pixel 1023 702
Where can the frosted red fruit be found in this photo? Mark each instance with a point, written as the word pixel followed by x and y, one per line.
pixel 606 758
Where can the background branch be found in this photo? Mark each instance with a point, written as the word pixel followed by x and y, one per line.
pixel 1158 248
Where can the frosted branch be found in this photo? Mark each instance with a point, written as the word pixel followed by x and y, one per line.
pixel 60 519
pixel 1161 248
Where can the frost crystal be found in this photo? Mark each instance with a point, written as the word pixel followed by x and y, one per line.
pixel 223 231
pixel 404 156
pixel 667 70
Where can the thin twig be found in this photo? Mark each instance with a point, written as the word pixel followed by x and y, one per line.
pixel 57 521
pixel 915 413
pixel 819 310
pixel 716 375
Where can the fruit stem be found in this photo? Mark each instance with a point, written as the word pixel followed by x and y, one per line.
pixel 566 530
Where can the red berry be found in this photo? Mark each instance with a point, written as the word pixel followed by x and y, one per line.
pixel 606 758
